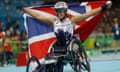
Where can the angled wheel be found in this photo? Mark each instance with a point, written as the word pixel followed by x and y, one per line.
pixel 29 67
pixel 80 62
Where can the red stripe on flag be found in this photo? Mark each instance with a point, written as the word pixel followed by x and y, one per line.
pixel 86 28
pixel 47 10
pixel 40 49
pixel 50 11
pixel 96 4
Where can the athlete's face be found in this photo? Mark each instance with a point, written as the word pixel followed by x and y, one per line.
pixel 60 13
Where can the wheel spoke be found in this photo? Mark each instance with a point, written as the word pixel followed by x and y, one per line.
pixel 79 57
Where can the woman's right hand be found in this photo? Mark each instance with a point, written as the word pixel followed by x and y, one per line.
pixel 109 4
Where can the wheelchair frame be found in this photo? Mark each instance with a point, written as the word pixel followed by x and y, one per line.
pixel 78 59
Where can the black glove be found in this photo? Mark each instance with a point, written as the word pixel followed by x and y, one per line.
pixel 104 7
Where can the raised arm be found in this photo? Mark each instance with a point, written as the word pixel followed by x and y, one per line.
pixel 81 17
pixel 39 16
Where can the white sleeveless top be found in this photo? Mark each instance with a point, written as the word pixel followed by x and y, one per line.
pixel 65 26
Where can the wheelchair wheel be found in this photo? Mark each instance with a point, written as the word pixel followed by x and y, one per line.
pixel 33 59
pixel 80 62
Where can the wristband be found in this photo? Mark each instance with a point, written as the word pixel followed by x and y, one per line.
pixel 104 7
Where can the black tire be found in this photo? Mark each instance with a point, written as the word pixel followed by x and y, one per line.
pixel 31 60
pixel 50 67
pixel 79 57
pixel 85 64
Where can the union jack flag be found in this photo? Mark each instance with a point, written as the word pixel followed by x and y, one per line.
pixel 41 35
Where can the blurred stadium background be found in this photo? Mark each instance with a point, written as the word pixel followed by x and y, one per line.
pixel 100 42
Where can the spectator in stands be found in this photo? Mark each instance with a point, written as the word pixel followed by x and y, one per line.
pixel 15 39
pixel 23 41
pixel 8 50
pixel 2 50
pixel 16 25
pixel 116 32
pixel 9 28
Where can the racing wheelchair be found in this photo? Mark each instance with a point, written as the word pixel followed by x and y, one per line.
pixel 58 56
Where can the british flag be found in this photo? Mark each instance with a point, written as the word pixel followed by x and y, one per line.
pixel 41 35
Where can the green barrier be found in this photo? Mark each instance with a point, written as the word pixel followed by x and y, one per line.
pixel 12 61
pixel 94 52
pixel 105 41
pixel 102 40
pixel 15 47
pixel 89 43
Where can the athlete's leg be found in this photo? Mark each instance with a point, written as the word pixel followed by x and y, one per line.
pixel 59 65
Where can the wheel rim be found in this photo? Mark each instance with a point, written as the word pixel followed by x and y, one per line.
pixel 29 66
pixel 79 57
pixel 75 56
pixel 85 66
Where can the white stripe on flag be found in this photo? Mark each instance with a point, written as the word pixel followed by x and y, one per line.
pixel 43 13
pixel 71 12
pixel 25 23
pixel 83 3
pixel 89 8
pixel 41 37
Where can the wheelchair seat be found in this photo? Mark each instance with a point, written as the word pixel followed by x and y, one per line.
pixel 60 49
